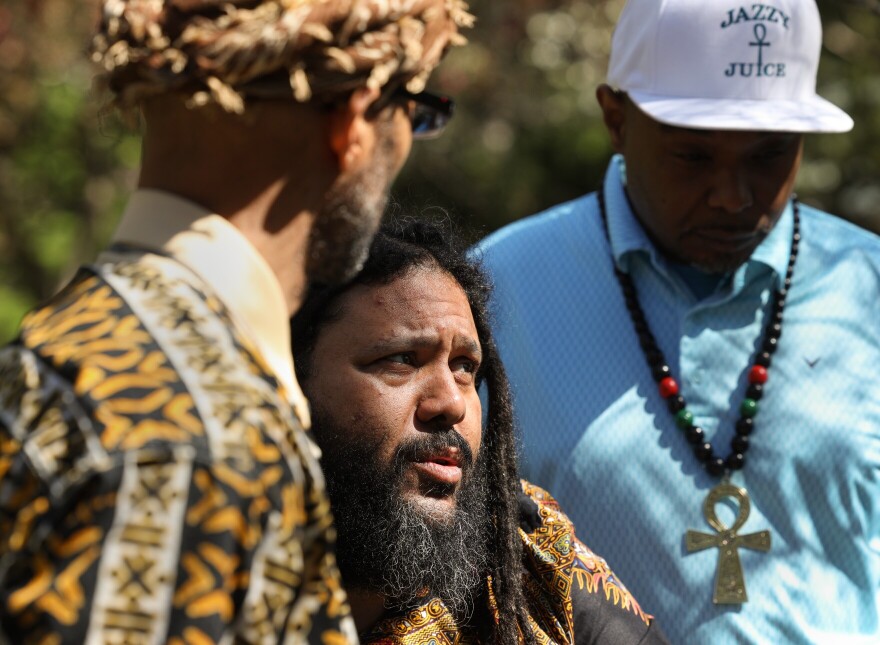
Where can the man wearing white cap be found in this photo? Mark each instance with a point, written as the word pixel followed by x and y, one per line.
pixel 695 355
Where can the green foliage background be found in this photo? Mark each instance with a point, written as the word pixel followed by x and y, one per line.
pixel 526 135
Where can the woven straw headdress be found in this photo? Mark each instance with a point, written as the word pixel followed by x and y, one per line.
pixel 212 50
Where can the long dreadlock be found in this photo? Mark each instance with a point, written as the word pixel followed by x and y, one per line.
pixel 400 247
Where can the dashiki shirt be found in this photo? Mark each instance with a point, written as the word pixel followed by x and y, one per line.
pixel 572 594
pixel 156 485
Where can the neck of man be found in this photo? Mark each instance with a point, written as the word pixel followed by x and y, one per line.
pixel 284 249
pixel 264 176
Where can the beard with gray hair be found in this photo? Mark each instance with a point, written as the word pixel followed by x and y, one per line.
pixel 340 239
pixel 387 545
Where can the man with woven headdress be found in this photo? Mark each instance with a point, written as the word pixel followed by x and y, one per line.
pixel 156 480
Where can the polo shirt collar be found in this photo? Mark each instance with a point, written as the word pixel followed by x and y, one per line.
pixel 627 237
pixel 775 250
pixel 219 254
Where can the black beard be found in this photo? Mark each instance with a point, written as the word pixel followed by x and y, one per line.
pixel 388 546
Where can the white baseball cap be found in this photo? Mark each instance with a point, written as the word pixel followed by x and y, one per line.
pixel 724 64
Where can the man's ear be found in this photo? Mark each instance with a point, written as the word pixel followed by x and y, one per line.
pixel 613 106
pixel 352 133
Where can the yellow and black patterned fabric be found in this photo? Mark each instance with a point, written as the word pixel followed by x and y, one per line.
pixel 572 594
pixel 155 485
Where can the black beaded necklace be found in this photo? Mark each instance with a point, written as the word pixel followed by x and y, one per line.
pixel 757 374
pixel 730 585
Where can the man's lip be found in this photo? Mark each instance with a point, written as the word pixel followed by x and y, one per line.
pixel 727 237
pixel 450 456
pixel 439 472
pixel 443 466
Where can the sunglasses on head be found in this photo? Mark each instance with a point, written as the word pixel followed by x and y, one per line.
pixel 428 113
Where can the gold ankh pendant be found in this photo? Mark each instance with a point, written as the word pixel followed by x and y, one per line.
pixel 730 586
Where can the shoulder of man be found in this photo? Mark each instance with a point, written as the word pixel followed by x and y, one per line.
pixel 154 359
pixel 834 235
pixel 137 355
pixel 88 348
pixel 840 260
pixel 573 222
pixel 564 570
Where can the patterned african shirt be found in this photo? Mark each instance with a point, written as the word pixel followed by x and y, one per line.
pixel 155 484
pixel 573 596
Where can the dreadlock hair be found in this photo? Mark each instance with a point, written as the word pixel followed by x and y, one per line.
pixel 400 247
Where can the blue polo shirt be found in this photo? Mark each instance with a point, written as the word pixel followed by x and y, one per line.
pixel 596 433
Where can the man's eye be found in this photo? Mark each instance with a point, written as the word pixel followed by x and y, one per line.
pixel 691 156
pixel 465 365
pixel 403 358
pixel 770 154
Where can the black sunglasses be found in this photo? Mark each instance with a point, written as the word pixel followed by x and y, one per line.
pixel 428 113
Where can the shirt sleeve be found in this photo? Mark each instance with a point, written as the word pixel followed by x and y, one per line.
pixel 591 601
pixel 50 548
pixel 604 611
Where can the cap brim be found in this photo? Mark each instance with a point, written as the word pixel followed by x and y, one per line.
pixel 807 115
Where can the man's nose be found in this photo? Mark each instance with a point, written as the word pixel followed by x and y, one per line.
pixel 731 190
pixel 442 401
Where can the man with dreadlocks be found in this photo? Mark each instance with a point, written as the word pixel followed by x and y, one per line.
pixel 157 484
pixel 438 539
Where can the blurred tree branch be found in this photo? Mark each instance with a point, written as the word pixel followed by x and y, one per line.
pixel 870 5
pixel 526 135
